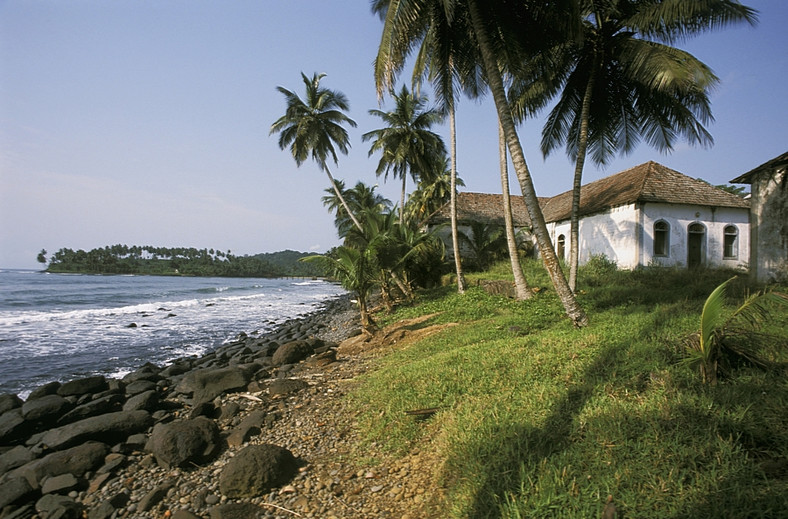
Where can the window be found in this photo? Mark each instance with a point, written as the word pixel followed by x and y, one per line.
pixel 730 249
pixel 661 238
pixel 561 246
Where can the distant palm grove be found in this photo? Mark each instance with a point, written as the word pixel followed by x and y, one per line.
pixel 179 261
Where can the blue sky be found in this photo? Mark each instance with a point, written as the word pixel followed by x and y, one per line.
pixel 146 122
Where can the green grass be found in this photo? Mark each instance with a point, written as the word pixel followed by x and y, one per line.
pixel 539 419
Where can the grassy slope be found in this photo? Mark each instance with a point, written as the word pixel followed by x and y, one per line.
pixel 541 420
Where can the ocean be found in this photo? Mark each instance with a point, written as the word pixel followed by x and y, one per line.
pixel 66 326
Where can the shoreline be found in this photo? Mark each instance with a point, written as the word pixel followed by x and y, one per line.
pixel 284 388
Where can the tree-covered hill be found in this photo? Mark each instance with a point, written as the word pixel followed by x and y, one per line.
pixel 179 261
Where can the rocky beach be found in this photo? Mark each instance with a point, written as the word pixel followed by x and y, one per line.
pixel 258 428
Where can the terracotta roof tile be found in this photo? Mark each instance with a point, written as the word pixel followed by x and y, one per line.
pixel 648 182
pixel 484 207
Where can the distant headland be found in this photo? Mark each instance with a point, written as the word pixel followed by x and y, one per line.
pixel 178 261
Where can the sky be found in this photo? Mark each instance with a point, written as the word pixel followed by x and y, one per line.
pixel 145 122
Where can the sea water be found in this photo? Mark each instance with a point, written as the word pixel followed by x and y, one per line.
pixel 66 326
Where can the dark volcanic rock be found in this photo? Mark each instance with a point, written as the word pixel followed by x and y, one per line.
pixel 110 428
pixel 140 386
pixel 13 490
pixel 177 443
pixel 60 507
pixel 45 409
pixel 284 386
pixel 207 384
pixel 237 511
pixel 105 404
pixel 82 386
pixel 292 352
pixel 14 458
pixel 76 460
pixel 61 484
pixel 13 427
pixel 146 401
pixel 9 401
pixel 256 470
pixel 44 390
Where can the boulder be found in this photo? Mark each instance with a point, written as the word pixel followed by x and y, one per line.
pixel 207 384
pixel 250 426
pixel 283 386
pixel 14 458
pixel 109 428
pixel 76 461
pixel 154 497
pixel 13 490
pixel 9 401
pixel 13 427
pixel 44 390
pixel 292 352
pixel 54 506
pixel 178 443
pixel 257 469
pixel 140 386
pixel 146 401
pixel 237 511
pixel 184 514
pixel 105 404
pixel 45 409
pixel 83 386
pixel 146 372
pixel 61 484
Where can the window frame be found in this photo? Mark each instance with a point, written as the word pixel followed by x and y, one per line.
pixel 665 241
pixel 734 246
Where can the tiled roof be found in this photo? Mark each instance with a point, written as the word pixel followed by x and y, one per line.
pixel 777 162
pixel 648 182
pixel 484 207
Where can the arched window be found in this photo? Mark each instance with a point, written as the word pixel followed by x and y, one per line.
pixel 696 245
pixel 730 249
pixel 561 248
pixel 661 238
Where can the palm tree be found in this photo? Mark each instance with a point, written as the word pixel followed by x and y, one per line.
pixel 521 290
pixel 487 242
pixel 623 82
pixel 359 198
pixel 355 269
pixel 407 144
pixel 431 195
pixel 501 32
pixel 509 24
pixel 314 125
pixel 445 56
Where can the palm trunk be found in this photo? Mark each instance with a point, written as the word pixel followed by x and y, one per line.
pixel 582 147
pixel 402 200
pixel 521 290
pixel 341 198
pixel 455 240
pixel 549 258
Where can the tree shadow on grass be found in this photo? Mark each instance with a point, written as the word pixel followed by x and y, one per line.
pixel 530 445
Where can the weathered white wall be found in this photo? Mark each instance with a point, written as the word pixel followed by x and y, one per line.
pixel 770 225
pixel 680 217
pixel 612 233
pixel 625 234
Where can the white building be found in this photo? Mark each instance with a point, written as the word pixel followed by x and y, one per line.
pixel 646 215
pixel 769 219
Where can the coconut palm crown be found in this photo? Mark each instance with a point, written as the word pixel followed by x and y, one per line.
pixel 313 126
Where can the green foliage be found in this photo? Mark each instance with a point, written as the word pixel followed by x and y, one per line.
pixel 538 419
pixel 179 261
pixel 723 341
pixel 487 243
